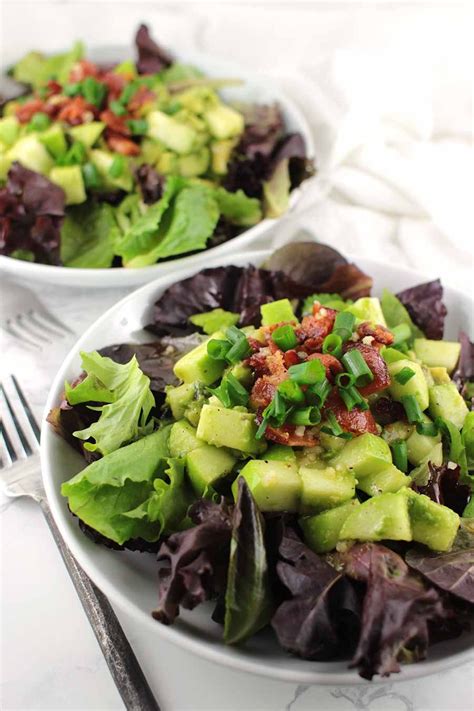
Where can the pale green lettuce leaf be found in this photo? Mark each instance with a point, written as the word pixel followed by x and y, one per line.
pixel 88 236
pixel 238 208
pixel 36 68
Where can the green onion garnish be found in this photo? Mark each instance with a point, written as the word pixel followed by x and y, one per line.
pixel 308 373
pixel 93 91
pixel 74 156
pixel 400 454
pixel 355 364
pixel 404 375
pixel 284 337
pixel 429 429
pixel 217 349
pixel 345 380
pixel 291 391
pixel 306 416
pixel 138 127
pixel 72 89
pixel 401 333
pixel 39 122
pixel 332 426
pixel 344 325
pixel 117 166
pixel 90 175
pixel 128 92
pixel 239 351
pixel 118 108
pixel 451 435
pixel 230 392
pixel 316 394
pixel 332 345
pixel 412 408
pixel 352 398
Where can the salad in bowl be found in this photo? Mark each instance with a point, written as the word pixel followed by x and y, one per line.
pixel 291 448
pixel 127 164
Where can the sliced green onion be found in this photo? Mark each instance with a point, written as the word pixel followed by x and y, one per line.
pixel 306 416
pixel 93 91
pixel 128 92
pixel 117 108
pixel 352 398
pixel 429 429
pixel 354 362
pixel 138 127
pixel 404 375
pixel 72 89
pixel 332 345
pixel 317 394
pixel 117 166
pixel 74 156
pixel 345 380
pixel 239 351
pixel 457 451
pixel 262 428
pixel 284 337
pixel 401 333
pixel 218 349
pixel 332 426
pixel 39 121
pixel 412 408
pixel 230 392
pixel 308 373
pixel 400 454
pixel 90 175
pixel 344 325
pixel 291 391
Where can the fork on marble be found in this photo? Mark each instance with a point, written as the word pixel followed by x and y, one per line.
pixel 21 476
pixel 24 317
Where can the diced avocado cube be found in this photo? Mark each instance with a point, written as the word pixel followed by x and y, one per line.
pixel 392 354
pixel 331 443
pixel 224 122
pixel 276 312
pixel 182 439
pixel 242 373
pixel 275 486
pixel 167 163
pixel 31 153
pixel 229 428
pixel 197 99
pixel 280 453
pixel 198 365
pixel 437 353
pixel 439 375
pixel 206 464
pixel 397 430
pixel 276 191
pixel 175 135
pixel 5 165
pixel 447 402
pixel 321 532
pixel 9 130
pixel 421 473
pixel 368 308
pixel 194 164
pixel 54 140
pixel 431 523
pixel 103 161
pixel 69 178
pixel 325 488
pixel 151 150
pixel 419 445
pixel 389 479
pixel 382 517
pixel 416 386
pixel 364 455
pixel 178 398
pixel 87 133
pixel 127 68
pixel 220 155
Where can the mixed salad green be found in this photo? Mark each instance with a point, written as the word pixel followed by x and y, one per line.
pixel 299 458
pixel 130 164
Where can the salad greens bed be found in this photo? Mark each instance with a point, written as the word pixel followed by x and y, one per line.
pixel 133 163
pixel 296 450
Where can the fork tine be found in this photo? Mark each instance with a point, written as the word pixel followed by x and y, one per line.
pixel 53 320
pixel 27 450
pixel 28 411
pixel 13 331
pixel 29 327
pixel 38 322
pixel 7 445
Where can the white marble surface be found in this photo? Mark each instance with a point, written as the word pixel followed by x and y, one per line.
pixel 49 658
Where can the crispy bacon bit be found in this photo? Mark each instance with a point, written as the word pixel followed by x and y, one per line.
pixel 356 421
pixel 115 83
pixel 254 344
pixel 114 122
pixel 286 435
pixel 142 96
pixel 382 336
pixel 290 358
pixel 121 144
pixel 314 329
pixel 376 364
pixel 76 111
pixel 264 388
pixel 25 112
pixel 331 363
pixel 54 87
pixel 83 69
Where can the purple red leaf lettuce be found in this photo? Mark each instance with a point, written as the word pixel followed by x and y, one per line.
pixel 463 376
pixel 424 303
pixel 444 487
pixel 150 183
pixel 31 215
pixel 151 57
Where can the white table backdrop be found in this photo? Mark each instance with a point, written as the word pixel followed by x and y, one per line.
pixel 49 657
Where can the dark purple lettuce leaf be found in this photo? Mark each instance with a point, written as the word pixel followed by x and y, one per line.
pixel 424 303
pixel 67 419
pixel 151 57
pixel 463 376
pixel 264 127
pixel 321 619
pixel 444 487
pixel 453 571
pixel 396 611
pixel 150 183
pixel 31 215
pixel 194 561
pixel 386 411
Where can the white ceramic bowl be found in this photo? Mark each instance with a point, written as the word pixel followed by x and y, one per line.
pixel 130 579
pixel 256 89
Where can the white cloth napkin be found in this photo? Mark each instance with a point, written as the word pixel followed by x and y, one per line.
pixel 386 186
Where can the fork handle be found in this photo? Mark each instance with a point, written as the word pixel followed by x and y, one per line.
pixel 120 657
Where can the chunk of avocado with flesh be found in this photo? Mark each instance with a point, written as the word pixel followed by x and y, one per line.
pixel 280 453
pixel 277 312
pixel 420 474
pixel 223 427
pixel 431 523
pixel 69 178
pixel 198 365
pixel 364 455
pixel 87 133
pixel 443 354
pixel 447 402
pixel 440 375
pixel 321 532
pixel 389 479
pixel 325 488
pixel 221 152
pixel 194 164
pixel 419 445
pixel 275 486
pixel 183 439
pixel 224 122
pixel 31 153
pixel 175 135
pixel 54 140
pixel 368 308
pixel 9 130
pixel 103 160
pixel 331 443
pixel 382 517
pixel 416 386
pixel 206 464
pixel 179 397
pixel 276 191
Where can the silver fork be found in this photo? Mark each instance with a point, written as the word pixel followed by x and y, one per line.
pixel 28 320
pixel 21 476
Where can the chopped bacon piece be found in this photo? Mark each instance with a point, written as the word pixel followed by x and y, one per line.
pixel 121 144
pixel 76 111
pixel 376 364
pixel 330 362
pixel 254 344
pixel 291 357
pixel 114 122
pixel 25 112
pixel 314 329
pixel 264 388
pixel 286 435
pixel 82 69
pixel 142 96
pixel 355 421
pixel 115 84
pixel 54 87
pixel 381 335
